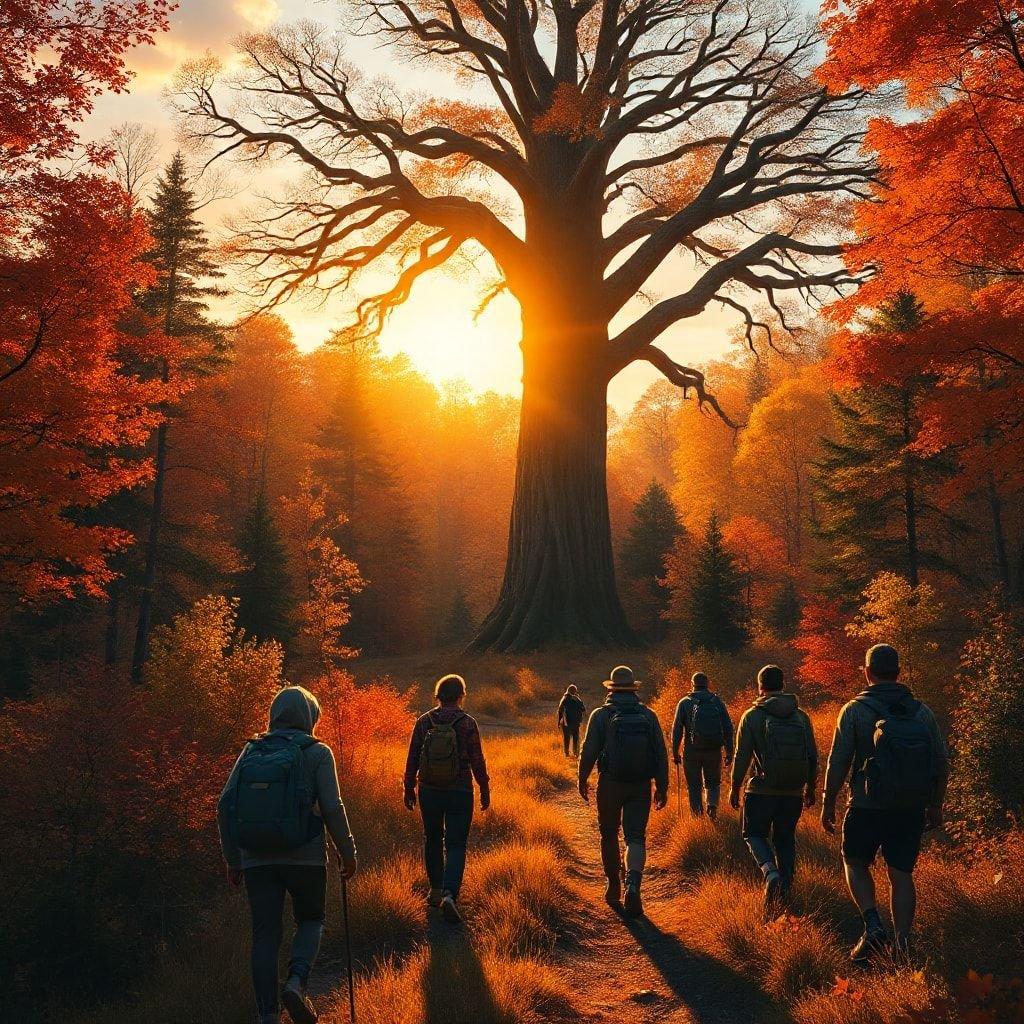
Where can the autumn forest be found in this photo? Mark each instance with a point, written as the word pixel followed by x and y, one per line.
pixel 759 269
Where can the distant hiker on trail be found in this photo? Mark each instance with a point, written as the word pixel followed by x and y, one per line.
pixel 703 726
pixel 899 764
pixel 625 741
pixel 776 736
pixel 273 838
pixel 445 755
pixel 571 710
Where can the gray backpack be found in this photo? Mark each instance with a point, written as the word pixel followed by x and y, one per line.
pixel 900 773
pixel 786 763
pixel 706 731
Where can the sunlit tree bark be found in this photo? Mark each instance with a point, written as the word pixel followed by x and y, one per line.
pixel 593 142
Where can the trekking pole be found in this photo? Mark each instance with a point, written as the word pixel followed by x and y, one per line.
pixel 348 951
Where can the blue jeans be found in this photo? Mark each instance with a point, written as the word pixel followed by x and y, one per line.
pixel 447 815
pixel 769 828
pixel 266 887
pixel 703 772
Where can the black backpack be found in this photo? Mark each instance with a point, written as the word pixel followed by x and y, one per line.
pixel 900 773
pixel 273 809
pixel 786 760
pixel 629 745
pixel 440 757
pixel 706 730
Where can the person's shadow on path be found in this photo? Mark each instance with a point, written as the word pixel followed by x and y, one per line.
pixel 455 987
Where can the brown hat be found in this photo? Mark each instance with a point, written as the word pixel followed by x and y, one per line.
pixel 622 680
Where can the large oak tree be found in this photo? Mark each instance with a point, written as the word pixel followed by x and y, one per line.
pixel 592 143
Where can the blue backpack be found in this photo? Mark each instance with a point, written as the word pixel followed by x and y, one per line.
pixel 273 801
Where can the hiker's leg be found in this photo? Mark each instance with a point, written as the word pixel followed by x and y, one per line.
pixel 757 822
pixel 265 888
pixel 565 740
pixel 712 766
pixel 457 820
pixel 609 820
pixel 433 835
pixel 784 821
pixel 307 886
pixel 862 838
pixel 576 739
pixel 902 901
pixel 636 811
pixel 901 843
pixel 694 782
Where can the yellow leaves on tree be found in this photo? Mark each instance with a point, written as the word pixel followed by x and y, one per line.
pixel 217 682
pixel 327 578
pixel 894 612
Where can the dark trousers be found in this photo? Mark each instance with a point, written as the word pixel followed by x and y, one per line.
pixel 702 770
pixel 571 732
pixel 266 887
pixel 769 828
pixel 625 805
pixel 447 815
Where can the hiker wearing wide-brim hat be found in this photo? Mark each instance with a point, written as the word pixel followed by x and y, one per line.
pixel 622 680
pixel 624 740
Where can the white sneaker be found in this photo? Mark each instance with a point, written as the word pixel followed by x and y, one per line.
pixel 450 910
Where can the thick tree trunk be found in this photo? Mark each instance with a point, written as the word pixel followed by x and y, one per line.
pixel 560 576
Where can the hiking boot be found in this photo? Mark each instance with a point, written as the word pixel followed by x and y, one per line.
pixel 449 910
pixel 712 812
pixel 613 892
pixel 873 942
pixel 296 1002
pixel 773 889
pixel 632 905
pixel 434 897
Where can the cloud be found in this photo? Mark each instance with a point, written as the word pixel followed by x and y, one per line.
pixel 198 26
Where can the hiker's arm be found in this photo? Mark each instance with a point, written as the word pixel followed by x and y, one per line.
pixel 660 760
pixel 225 811
pixel 678 727
pixel 475 752
pixel 593 744
pixel 941 771
pixel 727 731
pixel 412 764
pixel 561 711
pixel 812 766
pixel 332 810
pixel 840 758
pixel 744 752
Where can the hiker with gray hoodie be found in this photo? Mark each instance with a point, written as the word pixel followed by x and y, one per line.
pixel 889 746
pixel 775 739
pixel 624 740
pixel 704 729
pixel 280 798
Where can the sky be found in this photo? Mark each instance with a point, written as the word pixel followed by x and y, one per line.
pixel 436 327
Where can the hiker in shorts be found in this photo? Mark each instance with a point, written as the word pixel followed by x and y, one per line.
pixel 273 840
pixel 571 710
pixel 445 756
pixel 703 726
pixel 776 738
pixel 624 740
pixel 889 746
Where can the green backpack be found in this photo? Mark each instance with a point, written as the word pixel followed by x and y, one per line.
pixel 787 758
pixel 440 761
pixel 273 802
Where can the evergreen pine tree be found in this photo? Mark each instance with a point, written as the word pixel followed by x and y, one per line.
pixel 265 599
pixel 652 532
pixel 873 490
pixel 716 617
pixel 784 611
pixel 176 304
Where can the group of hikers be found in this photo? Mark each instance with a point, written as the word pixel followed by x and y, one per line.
pixel 282 799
